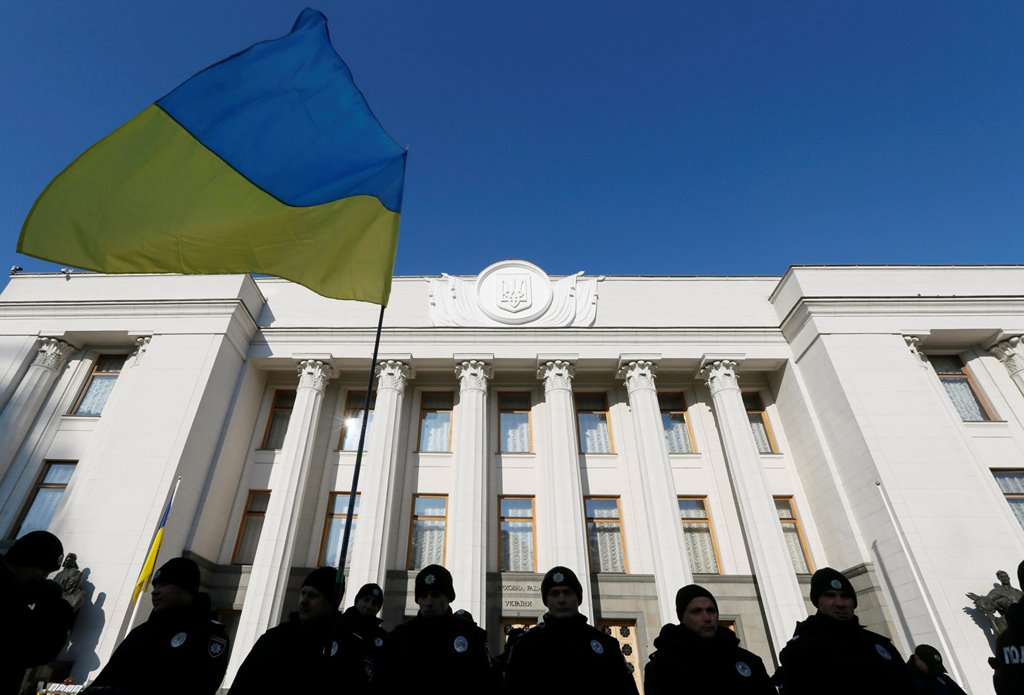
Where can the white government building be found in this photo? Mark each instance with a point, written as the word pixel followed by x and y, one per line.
pixel 646 431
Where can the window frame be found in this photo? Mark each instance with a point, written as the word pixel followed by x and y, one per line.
pixel 355 402
pixel 703 499
pixel 93 373
pixel 243 522
pixel 329 517
pixel 274 409
pixel 795 521
pixel 533 528
pixel 1009 495
pixel 685 412
pixel 529 420
pixel 413 518
pixel 607 420
pixel 622 531
pixel 965 373
pixel 41 485
pixel 762 412
pixel 451 421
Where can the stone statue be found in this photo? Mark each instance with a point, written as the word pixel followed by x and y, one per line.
pixel 996 602
pixel 70 580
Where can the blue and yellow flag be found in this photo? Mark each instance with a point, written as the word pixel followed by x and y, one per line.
pixel 270 162
pixel 142 583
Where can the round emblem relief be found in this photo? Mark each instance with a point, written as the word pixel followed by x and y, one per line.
pixel 514 292
pixel 597 646
pixel 883 652
pixel 461 644
pixel 836 584
pixel 743 669
pixel 178 640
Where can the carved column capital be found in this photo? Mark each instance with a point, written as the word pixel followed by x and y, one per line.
pixel 721 375
pixel 557 375
pixel 314 374
pixel 1011 353
pixel 473 375
pixel 638 375
pixel 392 375
pixel 913 342
pixel 141 345
pixel 52 353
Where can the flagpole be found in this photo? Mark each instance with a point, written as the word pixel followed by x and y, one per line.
pixel 339 582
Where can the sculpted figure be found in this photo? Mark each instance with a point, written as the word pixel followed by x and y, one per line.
pixel 997 602
pixel 70 580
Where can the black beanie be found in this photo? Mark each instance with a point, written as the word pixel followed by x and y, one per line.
pixel 1020 574
pixel 181 572
pixel 435 578
pixel 828 579
pixel 322 579
pixel 687 594
pixel 560 576
pixel 370 589
pixel 39 549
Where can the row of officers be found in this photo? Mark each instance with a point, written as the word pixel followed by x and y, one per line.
pixel 181 649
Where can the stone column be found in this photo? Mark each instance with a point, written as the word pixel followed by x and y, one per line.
pixel 561 505
pixel 373 538
pixel 28 398
pixel 779 591
pixel 661 507
pixel 268 580
pixel 467 532
pixel 1011 353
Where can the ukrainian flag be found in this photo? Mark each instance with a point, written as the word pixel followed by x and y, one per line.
pixel 270 162
pixel 142 583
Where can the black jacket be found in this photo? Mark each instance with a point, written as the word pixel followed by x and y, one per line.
pixel 178 650
pixel 564 656
pixel 841 657
pixel 925 684
pixel 1009 659
pixel 294 655
pixel 367 630
pixel 685 662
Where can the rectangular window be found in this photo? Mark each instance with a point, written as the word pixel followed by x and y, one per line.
pixel 436 422
pixel 252 525
pixel 46 497
pixel 759 424
pixel 678 437
pixel 592 418
pixel 352 421
pixel 516 541
pixel 604 532
pixel 1012 485
pixel 960 388
pixel 426 536
pixel 277 423
pixel 101 382
pixel 514 423
pixel 334 529
pixel 698 535
pixel 794 535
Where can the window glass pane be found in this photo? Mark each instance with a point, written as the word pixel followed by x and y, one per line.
pixel 278 429
pixel 339 505
pixel 796 550
pixel 284 399
pixel 760 432
pixel 947 364
pixel 515 432
pixel 258 502
pixel 594 435
pixel 352 427
pixel 700 549
pixel 591 401
pixel 436 401
pixel 606 549
pixel 602 509
pixel 514 401
pixel 692 509
pixel 670 401
pixel 784 509
pixel 96 396
pixel 1017 505
pixel 250 538
pixel 517 506
pixel 964 400
pixel 434 434
pixel 427 544
pixel 677 437
pixel 752 401
pixel 41 511
pixel 110 363
pixel 1012 483
pixel 517 546
pixel 332 548
pixel 59 473
pixel 431 506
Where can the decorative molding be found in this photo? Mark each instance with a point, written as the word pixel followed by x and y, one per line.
pixel 392 375
pixel 141 345
pixel 1011 353
pixel 557 375
pixel 721 375
pixel 52 353
pixel 638 375
pixel 473 375
pixel 314 374
pixel 913 341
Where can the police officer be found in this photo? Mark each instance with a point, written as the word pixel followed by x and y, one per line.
pixel 929 673
pixel 831 652
pixel 361 620
pixel 34 619
pixel 1009 659
pixel 311 647
pixel 699 655
pixel 179 649
pixel 564 654
pixel 436 652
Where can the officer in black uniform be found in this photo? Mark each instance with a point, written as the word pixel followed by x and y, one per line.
pixel 1009 659
pixel 564 654
pixel 831 652
pixel 699 655
pixel 929 673
pixel 34 618
pixel 181 648
pixel 436 652
pixel 310 648
pixel 361 620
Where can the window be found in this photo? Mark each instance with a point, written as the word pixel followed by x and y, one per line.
pixel 759 424
pixel 960 388
pixel 252 524
pixel 426 537
pixel 794 535
pixel 624 632
pixel 604 532
pixel 1012 485
pixel 678 437
pixel 46 497
pixel 698 535
pixel 352 421
pixel 516 541
pixel 436 422
pixel 592 417
pixel 101 382
pixel 514 423
pixel 334 529
pixel 277 424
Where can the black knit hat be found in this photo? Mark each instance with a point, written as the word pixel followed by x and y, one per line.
pixel 179 571
pixel 322 579
pixel 828 579
pixel 39 549
pixel 560 576
pixel 435 578
pixel 687 594
pixel 1020 574
pixel 371 590
pixel 931 658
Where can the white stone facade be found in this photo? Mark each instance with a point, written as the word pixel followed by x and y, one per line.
pixel 814 388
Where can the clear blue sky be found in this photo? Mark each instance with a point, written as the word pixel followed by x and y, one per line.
pixel 711 138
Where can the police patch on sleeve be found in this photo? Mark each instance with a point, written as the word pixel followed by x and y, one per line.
pixel 378 642
pixel 217 646
pixel 883 652
pixel 461 644
pixel 597 646
pixel 178 639
pixel 743 669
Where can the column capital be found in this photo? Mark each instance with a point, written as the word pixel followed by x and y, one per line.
pixel 473 375
pixel 638 375
pixel 314 374
pixel 720 375
pixel 914 345
pixel 392 375
pixel 1011 353
pixel 52 353
pixel 557 375
pixel 141 345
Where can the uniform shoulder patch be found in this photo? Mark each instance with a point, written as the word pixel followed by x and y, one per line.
pixel 883 652
pixel 597 646
pixel 216 646
pixel 179 639
pixel 461 644
pixel 743 669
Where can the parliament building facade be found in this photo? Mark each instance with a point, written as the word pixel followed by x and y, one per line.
pixel 648 432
